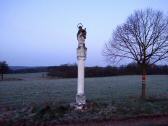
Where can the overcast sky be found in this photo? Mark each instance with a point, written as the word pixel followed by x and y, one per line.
pixel 43 32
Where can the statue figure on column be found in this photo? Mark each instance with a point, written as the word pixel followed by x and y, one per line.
pixel 81 35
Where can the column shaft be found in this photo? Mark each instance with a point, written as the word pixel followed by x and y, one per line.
pixel 80 88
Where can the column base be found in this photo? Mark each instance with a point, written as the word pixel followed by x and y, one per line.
pixel 80 99
pixel 80 103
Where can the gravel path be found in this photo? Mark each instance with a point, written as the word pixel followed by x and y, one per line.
pixel 141 121
pixel 161 120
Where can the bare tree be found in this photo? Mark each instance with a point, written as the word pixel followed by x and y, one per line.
pixel 3 69
pixel 142 38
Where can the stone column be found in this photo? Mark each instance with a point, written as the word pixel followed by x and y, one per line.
pixel 81 57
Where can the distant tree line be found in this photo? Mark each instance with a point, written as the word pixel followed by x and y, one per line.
pixel 70 71
pixel 29 70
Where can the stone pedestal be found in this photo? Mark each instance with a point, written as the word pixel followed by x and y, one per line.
pixel 80 99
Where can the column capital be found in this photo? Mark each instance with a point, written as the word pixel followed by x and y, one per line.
pixel 81 52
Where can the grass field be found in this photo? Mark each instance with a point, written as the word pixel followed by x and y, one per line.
pixel 105 89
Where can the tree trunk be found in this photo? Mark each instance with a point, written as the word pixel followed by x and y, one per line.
pixel 143 93
pixel 1 76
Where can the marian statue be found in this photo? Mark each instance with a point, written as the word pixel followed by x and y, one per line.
pixel 81 35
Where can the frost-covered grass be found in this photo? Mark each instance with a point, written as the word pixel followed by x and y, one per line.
pixel 25 76
pixel 105 89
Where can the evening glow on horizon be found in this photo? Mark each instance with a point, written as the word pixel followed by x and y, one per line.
pixel 43 32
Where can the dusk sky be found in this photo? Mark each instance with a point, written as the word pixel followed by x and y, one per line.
pixel 43 32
